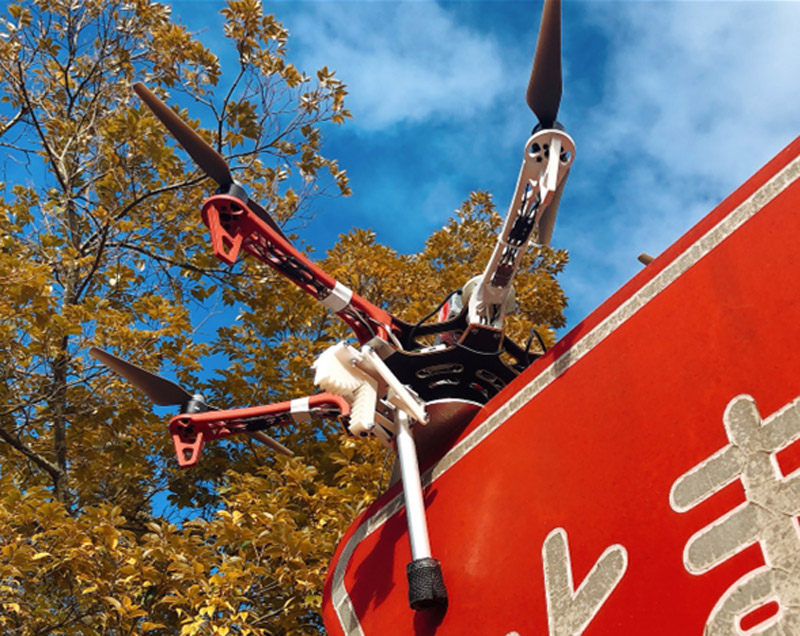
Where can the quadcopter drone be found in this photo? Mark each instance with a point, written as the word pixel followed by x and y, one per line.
pixel 394 383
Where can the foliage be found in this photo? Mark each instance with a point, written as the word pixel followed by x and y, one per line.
pixel 101 243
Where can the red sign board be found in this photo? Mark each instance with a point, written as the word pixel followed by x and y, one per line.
pixel 640 477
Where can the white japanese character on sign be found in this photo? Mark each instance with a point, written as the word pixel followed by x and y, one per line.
pixel 569 611
pixel 768 517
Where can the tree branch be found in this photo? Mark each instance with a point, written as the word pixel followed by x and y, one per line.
pixel 42 136
pixel 211 271
pixel 141 199
pixel 11 122
pixel 95 265
pixel 37 459
pixel 225 103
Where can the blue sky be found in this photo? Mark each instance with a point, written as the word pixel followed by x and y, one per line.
pixel 671 105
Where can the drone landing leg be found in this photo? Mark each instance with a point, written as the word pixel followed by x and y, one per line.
pixel 425 582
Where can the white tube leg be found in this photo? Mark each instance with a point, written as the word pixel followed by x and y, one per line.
pixel 425 581
pixel 412 490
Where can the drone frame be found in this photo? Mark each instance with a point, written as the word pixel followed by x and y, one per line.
pixel 190 431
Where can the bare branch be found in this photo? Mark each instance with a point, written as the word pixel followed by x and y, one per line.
pixel 11 122
pixel 42 136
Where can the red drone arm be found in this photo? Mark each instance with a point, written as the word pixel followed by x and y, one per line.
pixel 234 227
pixel 191 430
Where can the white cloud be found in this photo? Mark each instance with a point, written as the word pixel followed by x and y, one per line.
pixel 402 62
pixel 715 80
pixel 697 97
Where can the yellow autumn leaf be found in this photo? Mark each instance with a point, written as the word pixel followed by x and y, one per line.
pixel 114 602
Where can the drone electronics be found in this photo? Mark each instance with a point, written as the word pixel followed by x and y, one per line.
pixel 472 366
pixel 394 385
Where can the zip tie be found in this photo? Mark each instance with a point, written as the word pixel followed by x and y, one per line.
pixel 300 410
pixel 339 298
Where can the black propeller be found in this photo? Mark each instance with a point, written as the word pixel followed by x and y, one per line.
pixel 165 392
pixel 204 155
pixel 544 88
pixel 544 95
pixel 160 390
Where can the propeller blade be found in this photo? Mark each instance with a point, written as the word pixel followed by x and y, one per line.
pixel 266 439
pixel 160 390
pixel 548 218
pixel 208 159
pixel 264 216
pixel 544 88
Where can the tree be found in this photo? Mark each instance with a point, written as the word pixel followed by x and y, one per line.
pixel 101 240
pixel 101 243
